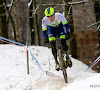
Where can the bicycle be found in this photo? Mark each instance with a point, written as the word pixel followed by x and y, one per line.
pixel 60 54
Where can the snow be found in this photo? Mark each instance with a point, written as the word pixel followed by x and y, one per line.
pixel 13 71
pixel 91 83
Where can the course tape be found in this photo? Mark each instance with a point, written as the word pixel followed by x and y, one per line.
pixel 36 61
pixel 12 41
pixel 92 63
pixel 26 48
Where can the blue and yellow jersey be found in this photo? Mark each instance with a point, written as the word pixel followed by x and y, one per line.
pixel 58 19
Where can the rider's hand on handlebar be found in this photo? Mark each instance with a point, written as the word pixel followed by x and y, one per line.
pixel 46 40
pixel 67 36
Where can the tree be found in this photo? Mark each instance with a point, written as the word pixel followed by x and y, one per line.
pixel 11 19
pixel 36 24
pixel 3 26
pixel 23 22
pixel 31 22
pixel 72 42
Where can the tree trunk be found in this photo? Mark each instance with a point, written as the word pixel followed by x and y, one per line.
pixel 72 42
pixel 23 22
pixel 16 24
pixel 31 23
pixel 36 24
pixel 3 27
pixel 11 21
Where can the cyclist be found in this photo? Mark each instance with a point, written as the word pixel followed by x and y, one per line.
pixel 54 23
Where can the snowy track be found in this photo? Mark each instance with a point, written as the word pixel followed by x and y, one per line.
pixel 13 71
pixel 52 83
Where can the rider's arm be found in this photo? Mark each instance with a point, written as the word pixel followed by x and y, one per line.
pixel 67 28
pixel 45 34
pixel 44 28
pixel 65 22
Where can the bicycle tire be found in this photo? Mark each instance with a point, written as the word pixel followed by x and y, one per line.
pixel 64 74
pixel 63 65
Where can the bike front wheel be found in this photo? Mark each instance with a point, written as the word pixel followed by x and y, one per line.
pixel 64 74
pixel 62 63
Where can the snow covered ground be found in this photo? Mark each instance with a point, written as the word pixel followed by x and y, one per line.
pixel 13 71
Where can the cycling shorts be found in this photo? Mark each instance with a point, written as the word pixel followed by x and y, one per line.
pixel 54 31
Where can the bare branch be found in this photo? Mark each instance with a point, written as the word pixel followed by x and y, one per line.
pixel 35 10
pixel 80 2
pixel 91 25
pixel 69 12
pixel 54 5
pixel 29 4
pixel 10 8
pixel 64 4
pixel 2 5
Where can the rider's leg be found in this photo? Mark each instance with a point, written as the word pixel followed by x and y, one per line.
pixel 64 45
pixel 65 49
pixel 54 51
pixel 52 39
pixel 62 36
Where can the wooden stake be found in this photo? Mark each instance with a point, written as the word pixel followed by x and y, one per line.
pixel 27 61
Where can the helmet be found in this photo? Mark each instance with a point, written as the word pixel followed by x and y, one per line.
pixel 49 11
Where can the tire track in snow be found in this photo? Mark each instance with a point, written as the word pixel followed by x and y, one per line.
pixel 52 83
